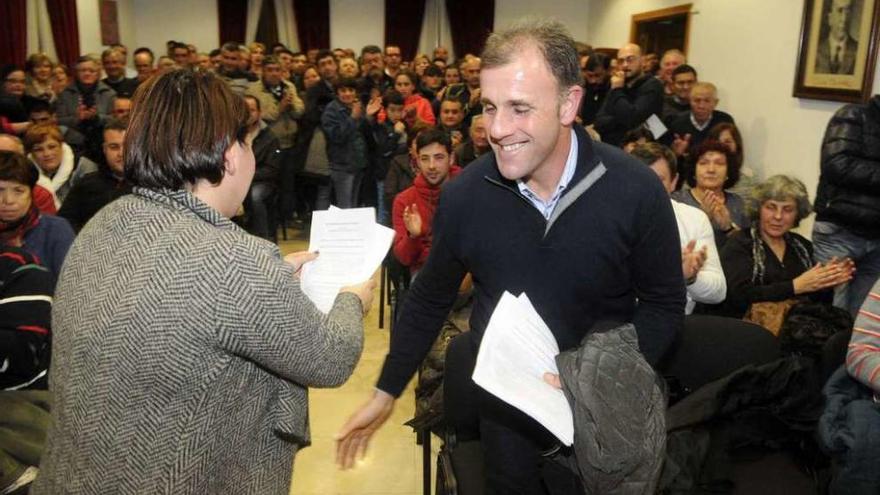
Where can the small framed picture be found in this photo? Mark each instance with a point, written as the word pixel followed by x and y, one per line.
pixel 838 50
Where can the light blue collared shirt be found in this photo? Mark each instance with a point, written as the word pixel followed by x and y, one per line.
pixel 546 207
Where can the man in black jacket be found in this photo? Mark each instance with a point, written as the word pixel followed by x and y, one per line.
pixel 267 151
pixel 97 189
pixel 688 129
pixel 848 198
pixel 584 229
pixel 633 98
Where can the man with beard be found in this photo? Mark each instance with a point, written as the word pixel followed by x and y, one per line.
pixel 596 86
pixel 374 81
pixel 683 79
pixel 230 69
pixel 634 96
pixel 414 208
pixel 95 190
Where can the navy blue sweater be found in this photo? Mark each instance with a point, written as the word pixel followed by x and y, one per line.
pixel 611 252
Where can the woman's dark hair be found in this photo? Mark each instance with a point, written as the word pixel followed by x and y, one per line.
pixel 633 136
pixel 413 78
pixel 392 97
pixel 181 125
pixel 16 168
pixel 431 136
pixel 715 133
pixel 708 146
pixel 6 70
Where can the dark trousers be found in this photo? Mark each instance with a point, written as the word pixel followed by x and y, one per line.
pixel 512 442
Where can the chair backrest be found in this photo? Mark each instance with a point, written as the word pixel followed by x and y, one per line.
pixel 711 347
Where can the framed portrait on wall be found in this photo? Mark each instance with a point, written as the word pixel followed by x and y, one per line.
pixel 109 22
pixel 838 50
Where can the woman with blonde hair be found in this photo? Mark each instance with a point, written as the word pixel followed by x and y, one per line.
pixel 39 69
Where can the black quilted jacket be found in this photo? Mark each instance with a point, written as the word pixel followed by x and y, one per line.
pixel 849 186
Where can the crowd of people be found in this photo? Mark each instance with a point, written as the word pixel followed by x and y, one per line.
pixel 368 128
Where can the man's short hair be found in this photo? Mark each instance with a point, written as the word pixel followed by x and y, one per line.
pixel 674 52
pixel 111 51
pixel 549 37
pixel 391 46
pixel 89 57
pixel 370 49
pixel 177 44
pixel 346 82
pixel 114 124
pixel 181 125
pixel 634 135
pixel 684 69
pixel 213 53
pixel 271 60
pixel 146 50
pixel 39 106
pixel 705 85
pixel 433 71
pixel 289 52
pixel 598 60
pixel 324 54
pixel 229 46
pixel 649 153
pixel 431 136
pixel 392 97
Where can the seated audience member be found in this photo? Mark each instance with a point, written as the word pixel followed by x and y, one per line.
pixel 403 168
pixel 343 124
pixel 688 129
pixel 42 198
pixel 47 237
pixel 671 60
pixel 474 147
pixel 258 55
pixel 267 155
pixel 683 79
pixel 121 108
pixel 431 82
pixel 636 137
pixel 25 320
pixel 348 68
pixel 105 183
pixel 414 208
pixel 420 63
pixel 728 134
pixel 769 263
pixel 700 262
pixel 60 78
pixel 596 86
pixel 39 78
pixel 713 173
pixel 390 137
pixel 114 66
pixel 87 102
pixel 416 107
pixel 633 98
pixel 42 112
pixel 143 63
pixel 165 64
pixel 848 427
pixel 179 52
pixel 54 159
pixel 452 121
pixel 231 71
pixel 13 116
pixel 451 75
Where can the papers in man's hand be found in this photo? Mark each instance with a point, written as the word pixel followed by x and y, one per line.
pixel 655 125
pixel 517 349
pixel 351 246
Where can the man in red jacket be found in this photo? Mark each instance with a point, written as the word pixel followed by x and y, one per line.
pixel 414 207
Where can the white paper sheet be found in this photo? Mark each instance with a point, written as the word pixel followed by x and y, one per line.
pixel 351 247
pixel 655 125
pixel 516 350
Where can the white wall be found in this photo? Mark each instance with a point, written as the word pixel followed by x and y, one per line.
pixel 355 23
pixel 190 21
pixel 88 16
pixel 748 48
pixel 571 13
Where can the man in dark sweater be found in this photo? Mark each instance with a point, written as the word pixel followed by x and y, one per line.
pixel 688 129
pixel 583 229
pixel 633 98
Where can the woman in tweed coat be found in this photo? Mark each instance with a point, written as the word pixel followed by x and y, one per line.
pixel 183 347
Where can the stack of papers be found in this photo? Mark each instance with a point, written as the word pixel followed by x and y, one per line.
pixel 516 350
pixel 351 247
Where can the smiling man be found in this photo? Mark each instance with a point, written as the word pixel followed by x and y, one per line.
pixel 585 230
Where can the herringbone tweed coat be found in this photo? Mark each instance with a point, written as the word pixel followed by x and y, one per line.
pixel 182 351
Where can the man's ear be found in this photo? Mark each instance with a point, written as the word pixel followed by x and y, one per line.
pixel 570 104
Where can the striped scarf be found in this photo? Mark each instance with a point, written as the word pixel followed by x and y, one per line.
pixel 758 254
pixel 12 233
